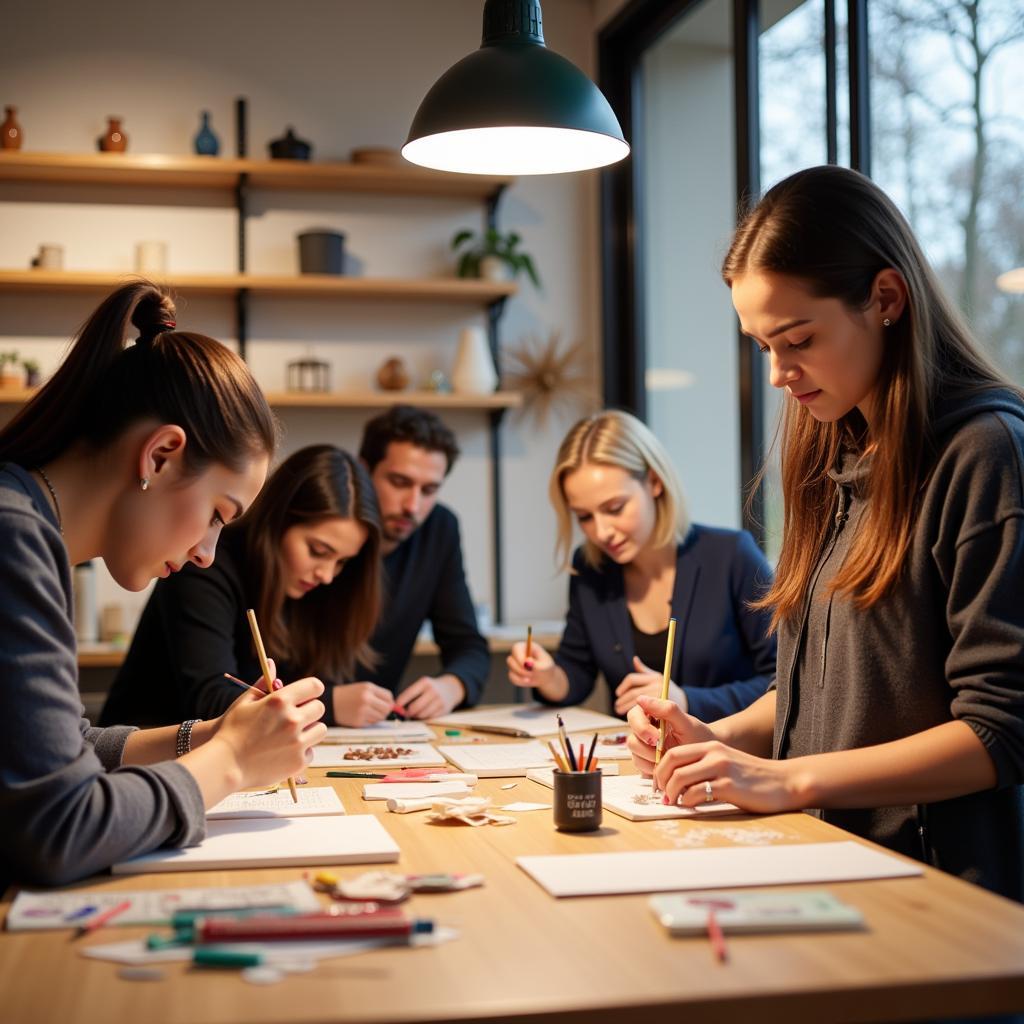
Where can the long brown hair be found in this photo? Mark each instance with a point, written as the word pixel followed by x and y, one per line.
pixel 327 632
pixel 834 230
pixel 102 387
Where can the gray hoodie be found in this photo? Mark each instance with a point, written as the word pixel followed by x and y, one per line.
pixel 947 643
pixel 68 810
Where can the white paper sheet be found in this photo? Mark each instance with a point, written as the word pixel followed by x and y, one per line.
pixel 603 874
pixel 414 790
pixel 531 719
pixel 381 732
pixel 38 911
pixel 498 760
pixel 333 756
pixel 606 751
pixel 275 842
pixel 625 796
pixel 312 800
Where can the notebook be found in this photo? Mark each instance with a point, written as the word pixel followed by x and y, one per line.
pixel 605 874
pixel 381 732
pixel 275 842
pixel 278 804
pixel 631 796
pixel 530 720
pixel 743 910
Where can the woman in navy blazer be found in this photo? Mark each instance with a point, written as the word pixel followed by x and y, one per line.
pixel 641 563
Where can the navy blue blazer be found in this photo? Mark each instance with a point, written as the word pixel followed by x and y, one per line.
pixel 728 658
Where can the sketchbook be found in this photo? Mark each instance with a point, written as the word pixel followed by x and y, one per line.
pixel 376 755
pixel 530 720
pixel 744 911
pixel 275 842
pixel 278 803
pixel 605 874
pixel 630 796
pixel 381 732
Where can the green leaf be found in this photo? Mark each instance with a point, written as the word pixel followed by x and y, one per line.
pixel 460 237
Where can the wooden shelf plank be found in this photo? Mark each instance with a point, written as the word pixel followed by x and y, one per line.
pixel 425 289
pixel 382 399
pixel 350 399
pixel 156 169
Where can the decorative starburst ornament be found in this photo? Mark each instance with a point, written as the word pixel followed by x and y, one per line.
pixel 550 378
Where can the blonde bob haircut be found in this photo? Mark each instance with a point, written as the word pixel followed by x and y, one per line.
pixel 614 438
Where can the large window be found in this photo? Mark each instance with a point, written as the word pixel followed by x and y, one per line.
pixel 947 114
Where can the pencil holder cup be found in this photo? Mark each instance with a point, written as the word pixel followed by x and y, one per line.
pixel 577 801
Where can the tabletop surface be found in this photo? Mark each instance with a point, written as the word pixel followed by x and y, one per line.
pixel 933 946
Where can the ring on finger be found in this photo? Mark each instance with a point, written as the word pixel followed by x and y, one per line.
pixel 709 793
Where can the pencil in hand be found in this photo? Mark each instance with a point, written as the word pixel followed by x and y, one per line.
pixel 666 678
pixel 268 678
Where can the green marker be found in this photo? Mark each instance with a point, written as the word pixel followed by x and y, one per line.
pixel 217 956
pixel 453 732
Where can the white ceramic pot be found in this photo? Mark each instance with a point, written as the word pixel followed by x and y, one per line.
pixel 474 371
pixel 494 268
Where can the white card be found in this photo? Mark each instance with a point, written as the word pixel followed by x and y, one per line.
pixel 414 790
pixel 498 760
pixel 381 732
pixel 279 804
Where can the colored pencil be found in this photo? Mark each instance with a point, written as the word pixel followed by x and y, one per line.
pixel 581 765
pixel 666 678
pixel 268 677
pixel 590 756
pixel 569 756
pixel 559 760
pixel 242 682
pixel 102 918
pixel 529 642
pixel 716 937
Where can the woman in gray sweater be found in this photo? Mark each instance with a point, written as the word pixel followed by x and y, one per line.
pixel 137 455
pixel 898 710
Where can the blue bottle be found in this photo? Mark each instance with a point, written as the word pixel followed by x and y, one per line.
pixel 205 142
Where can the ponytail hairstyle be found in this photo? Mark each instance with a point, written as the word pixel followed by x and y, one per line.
pixel 833 230
pixel 614 438
pixel 327 632
pixel 103 387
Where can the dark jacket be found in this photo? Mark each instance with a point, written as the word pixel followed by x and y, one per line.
pixel 947 643
pixel 68 808
pixel 724 657
pixel 425 582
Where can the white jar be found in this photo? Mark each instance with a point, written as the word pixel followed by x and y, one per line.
pixel 85 611
pixel 474 371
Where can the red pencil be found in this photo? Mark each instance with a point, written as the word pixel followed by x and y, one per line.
pixel 716 937
pixel 580 761
pixel 103 917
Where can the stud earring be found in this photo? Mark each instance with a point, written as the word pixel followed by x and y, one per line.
pixel 144 483
pixel 886 322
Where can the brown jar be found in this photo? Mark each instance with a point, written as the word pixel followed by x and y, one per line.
pixel 114 140
pixel 10 131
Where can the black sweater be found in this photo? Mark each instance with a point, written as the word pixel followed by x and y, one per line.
pixel 946 644
pixel 194 629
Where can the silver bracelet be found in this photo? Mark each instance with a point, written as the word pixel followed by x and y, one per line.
pixel 184 742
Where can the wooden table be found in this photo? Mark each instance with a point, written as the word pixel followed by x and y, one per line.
pixel 934 947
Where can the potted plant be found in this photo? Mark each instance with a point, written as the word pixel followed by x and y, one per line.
pixel 10 371
pixel 492 255
pixel 31 368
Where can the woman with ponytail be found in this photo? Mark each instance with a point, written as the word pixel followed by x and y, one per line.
pixel 307 558
pixel 898 709
pixel 138 455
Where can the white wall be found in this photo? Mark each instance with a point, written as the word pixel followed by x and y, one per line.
pixel 345 73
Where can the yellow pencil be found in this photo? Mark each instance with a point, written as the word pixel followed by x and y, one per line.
pixel 529 642
pixel 268 677
pixel 666 678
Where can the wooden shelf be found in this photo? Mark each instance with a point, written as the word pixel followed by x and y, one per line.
pixel 428 289
pixel 382 399
pixel 98 656
pixel 350 399
pixel 156 169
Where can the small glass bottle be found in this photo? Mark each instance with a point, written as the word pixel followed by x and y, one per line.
pixel 10 131
pixel 205 141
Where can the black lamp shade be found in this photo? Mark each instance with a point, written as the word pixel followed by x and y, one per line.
pixel 514 107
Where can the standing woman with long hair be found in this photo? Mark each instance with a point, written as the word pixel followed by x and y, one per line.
pixel 899 593
pixel 138 455
pixel 306 557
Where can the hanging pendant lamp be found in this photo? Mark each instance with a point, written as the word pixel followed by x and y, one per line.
pixel 513 107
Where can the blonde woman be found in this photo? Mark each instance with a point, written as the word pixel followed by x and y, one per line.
pixel 642 562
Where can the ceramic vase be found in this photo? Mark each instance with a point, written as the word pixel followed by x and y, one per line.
pixel 10 130
pixel 494 268
pixel 114 139
pixel 205 141
pixel 474 371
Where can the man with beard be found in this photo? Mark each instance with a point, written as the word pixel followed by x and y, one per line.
pixel 409 453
